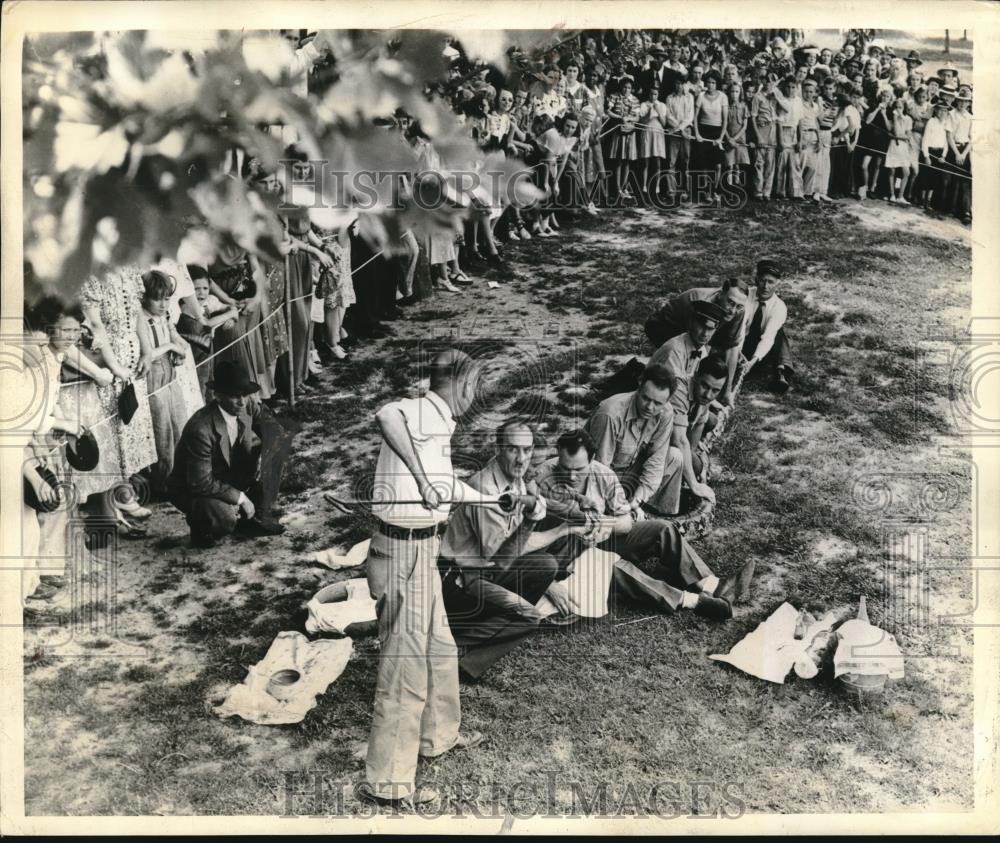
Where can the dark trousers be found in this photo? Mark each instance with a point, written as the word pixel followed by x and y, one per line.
pixel 675 564
pixel 842 181
pixel 256 474
pixel 375 282
pixel 779 355
pixel 482 627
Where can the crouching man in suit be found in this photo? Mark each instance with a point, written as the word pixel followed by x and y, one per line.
pixel 228 463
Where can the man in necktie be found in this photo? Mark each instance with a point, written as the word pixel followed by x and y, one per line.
pixel 764 340
pixel 682 354
pixel 229 461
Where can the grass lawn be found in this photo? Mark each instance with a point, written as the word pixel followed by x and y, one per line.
pixel 116 715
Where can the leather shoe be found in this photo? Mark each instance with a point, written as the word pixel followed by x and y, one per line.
pixel 736 588
pixel 715 608
pixel 466 740
pixel 561 620
pixel 260 527
pixel 780 382
pixel 420 796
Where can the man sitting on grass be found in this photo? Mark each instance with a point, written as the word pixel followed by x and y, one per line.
pixel 495 565
pixel 675 317
pixel 764 339
pixel 691 403
pixel 681 353
pixel 229 461
pixel 580 490
pixel 632 434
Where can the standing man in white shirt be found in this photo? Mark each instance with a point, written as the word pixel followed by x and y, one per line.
pixel 417 711
pixel 764 339
pixel 959 149
pixel 787 112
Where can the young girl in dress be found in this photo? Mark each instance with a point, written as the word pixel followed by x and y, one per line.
pixel 919 111
pixel 737 151
pixel 623 109
pixel 898 155
pixel 572 192
pixel 166 401
pixel 652 139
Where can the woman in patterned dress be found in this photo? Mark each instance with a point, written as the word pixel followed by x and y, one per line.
pixel 111 302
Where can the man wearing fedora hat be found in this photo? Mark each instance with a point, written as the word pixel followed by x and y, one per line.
pixel 229 461
pixel 912 60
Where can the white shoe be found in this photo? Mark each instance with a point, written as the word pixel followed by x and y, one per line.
pixel 314 364
pixel 339 352
pixel 445 284
pixel 592 210
pixel 902 201
pixel 512 235
pixel 524 234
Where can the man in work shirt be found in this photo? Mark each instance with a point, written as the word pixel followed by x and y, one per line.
pixel 675 318
pixel 417 710
pixel 581 490
pixel 682 354
pixel 692 413
pixel 631 432
pixel 497 564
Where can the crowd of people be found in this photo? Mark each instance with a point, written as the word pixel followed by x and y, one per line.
pixel 664 117
pixel 161 382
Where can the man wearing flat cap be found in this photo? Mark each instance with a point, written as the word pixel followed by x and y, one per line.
pixel 228 463
pixel 682 354
pixel 764 340
pixel 674 318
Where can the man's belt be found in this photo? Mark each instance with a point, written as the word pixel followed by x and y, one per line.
pixel 409 533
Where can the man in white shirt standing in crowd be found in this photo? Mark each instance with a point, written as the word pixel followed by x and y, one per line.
pixel 417 711
pixel 680 117
pixel 808 139
pixel 788 111
pixel 960 148
pixel 764 339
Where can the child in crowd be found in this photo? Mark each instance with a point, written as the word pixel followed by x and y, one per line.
pixel 623 109
pixel 897 156
pixel 168 350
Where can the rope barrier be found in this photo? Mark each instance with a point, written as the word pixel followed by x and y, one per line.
pixel 215 354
